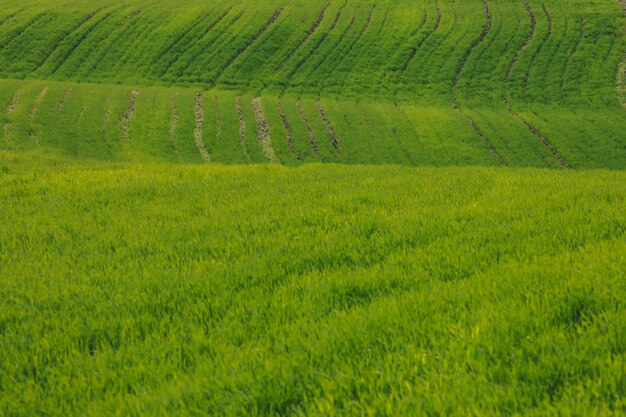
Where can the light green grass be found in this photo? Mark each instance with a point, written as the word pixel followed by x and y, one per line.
pixel 320 290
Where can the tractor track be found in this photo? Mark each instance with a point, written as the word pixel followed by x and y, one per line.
pixel 620 79
pixel 505 97
pixel 288 131
pixel 307 124
pixel 396 138
pixel 545 40
pixel 579 39
pixel 250 44
pixel 332 134
pixel 417 47
pixel 63 100
pixel 77 27
pixel 457 78
pixel 16 33
pixel 11 108
pixel 33 111
pixel 208 29
pixel 128 115
pixel 80 40
pixel 264 134
pixel 302 61
pixel 306 37
pixel 242 128
pixel 414 130
pixel 218 121
pixel 198 128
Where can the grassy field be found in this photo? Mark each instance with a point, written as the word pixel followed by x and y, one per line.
pixel 428 83
pixel 318 290
pixel 290 207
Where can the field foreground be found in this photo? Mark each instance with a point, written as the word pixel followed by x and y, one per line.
pixel 155 289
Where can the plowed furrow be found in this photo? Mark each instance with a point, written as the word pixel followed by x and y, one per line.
pixel 307 124
pixel 63 100
pixel 242 128
pixel 288 132
pixel 13 35
pixel 198 129
pixel 246 48
pixel 206 30
pixel 419 44
pixel 128 115
pixel 544 41
pixel 77 27
pixel 79 41
pixel 457 78
pixel 332 134
pixel 507 77
pixel 231 24
pixel 306 37
pixel 311 53
pixel 264 135
pixel 579 39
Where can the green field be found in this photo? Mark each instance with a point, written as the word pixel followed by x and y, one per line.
pixel 321 207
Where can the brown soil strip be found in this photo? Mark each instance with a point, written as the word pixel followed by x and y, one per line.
pixel 288 131
pixel 334 140
pixel 242 127
pixel 173 126
pixel 264 135
pixel 312 140
pixel 306 37
pixel 66 94
pixel 197 133
pixel 252 42
pixel 457 78
pixel 505 98
pixel 128 115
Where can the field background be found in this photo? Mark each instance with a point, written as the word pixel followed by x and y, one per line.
pixel 289 207
pixel 428 83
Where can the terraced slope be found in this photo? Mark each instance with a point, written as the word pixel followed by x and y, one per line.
pixel 430 82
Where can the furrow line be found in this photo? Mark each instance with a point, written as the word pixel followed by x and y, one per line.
pixel 457 78
pixel 264 134
pixel 579 40
pixel 242 127
pixel 543 44
pixel 288 131
pixel 10 16
pixel 16 33
pixel 323 37
pixel 55 47
pixel 128 115
pixel 335 46
pixel 414 130
pixel 206 47
pixel 80 40
pixel 334 140
pixel 33 111
pixel 174 126
pixel 505 98
pixel 312 140
pixel 191 44
pixel 420 43
pixel 242 51
pixel 63 100
pixel 197 132
pixel 407 155
pixel 306 37
pixel 113 41
pixel 11 108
